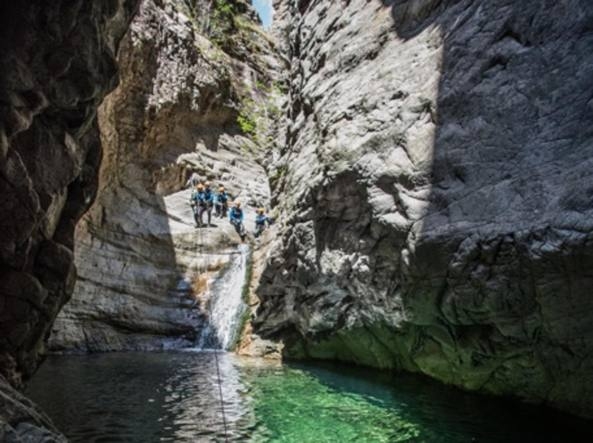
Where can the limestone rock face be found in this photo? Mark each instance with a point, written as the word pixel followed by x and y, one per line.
pixel 437 193
pixel 188 71
pixel 57 64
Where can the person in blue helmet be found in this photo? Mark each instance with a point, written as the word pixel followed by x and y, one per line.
pixel 262 221
pixel 236 219
pixel 221 204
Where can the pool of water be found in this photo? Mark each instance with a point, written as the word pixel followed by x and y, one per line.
pixel 155 397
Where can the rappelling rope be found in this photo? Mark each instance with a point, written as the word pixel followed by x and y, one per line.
pixel 199 246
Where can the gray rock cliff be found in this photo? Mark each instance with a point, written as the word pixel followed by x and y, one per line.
pixel 190 74
pixel 437 193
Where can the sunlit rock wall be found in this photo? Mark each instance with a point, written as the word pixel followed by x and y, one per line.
pixel 437 193
pixel 189 70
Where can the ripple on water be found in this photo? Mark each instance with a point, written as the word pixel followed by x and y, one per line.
pixel 173 397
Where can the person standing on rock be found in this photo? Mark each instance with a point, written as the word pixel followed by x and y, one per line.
pixel 236 219
pixel 221 206
pixel 262 221
pixel 194 202
pixel 206 201
pixel 193 181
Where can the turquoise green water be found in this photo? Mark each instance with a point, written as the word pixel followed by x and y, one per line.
pixel 295 404
pixel 174 397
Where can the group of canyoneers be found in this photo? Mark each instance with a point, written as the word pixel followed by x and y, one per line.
pixel 203 200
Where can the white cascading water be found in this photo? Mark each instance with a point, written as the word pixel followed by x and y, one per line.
pixel 226 306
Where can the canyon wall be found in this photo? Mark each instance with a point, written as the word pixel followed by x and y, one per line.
pixel 437 193
pixel 434 180
pixel 197 80
pixel 57 65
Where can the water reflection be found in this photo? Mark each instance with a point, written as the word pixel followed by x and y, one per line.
pixel 192 407
pixel 141 397
pixel 174 397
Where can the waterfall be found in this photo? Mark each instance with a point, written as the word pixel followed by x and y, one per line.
pixel 225 304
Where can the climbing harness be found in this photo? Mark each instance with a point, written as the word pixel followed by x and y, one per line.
pixel 199 240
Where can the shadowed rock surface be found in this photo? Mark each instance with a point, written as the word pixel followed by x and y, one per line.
pixel 22 421
pixel 437 193
pixel 57 64
pixel 188 71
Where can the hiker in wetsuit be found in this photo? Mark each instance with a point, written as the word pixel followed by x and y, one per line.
pixel 236 219
pixel 261 222
pixel 221 206
pixel 194 201
pixel 205 203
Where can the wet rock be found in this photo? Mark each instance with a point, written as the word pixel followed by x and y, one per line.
pixel 22 421
pixel 250 343
pixel 436 193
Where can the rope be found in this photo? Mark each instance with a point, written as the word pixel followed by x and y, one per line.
pixel 226 438
pixel 218 377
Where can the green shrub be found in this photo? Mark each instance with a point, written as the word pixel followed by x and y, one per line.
pixel 247 124
pixel 222 22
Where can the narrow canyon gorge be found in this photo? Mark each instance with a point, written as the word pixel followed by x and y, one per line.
pixel 428 166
